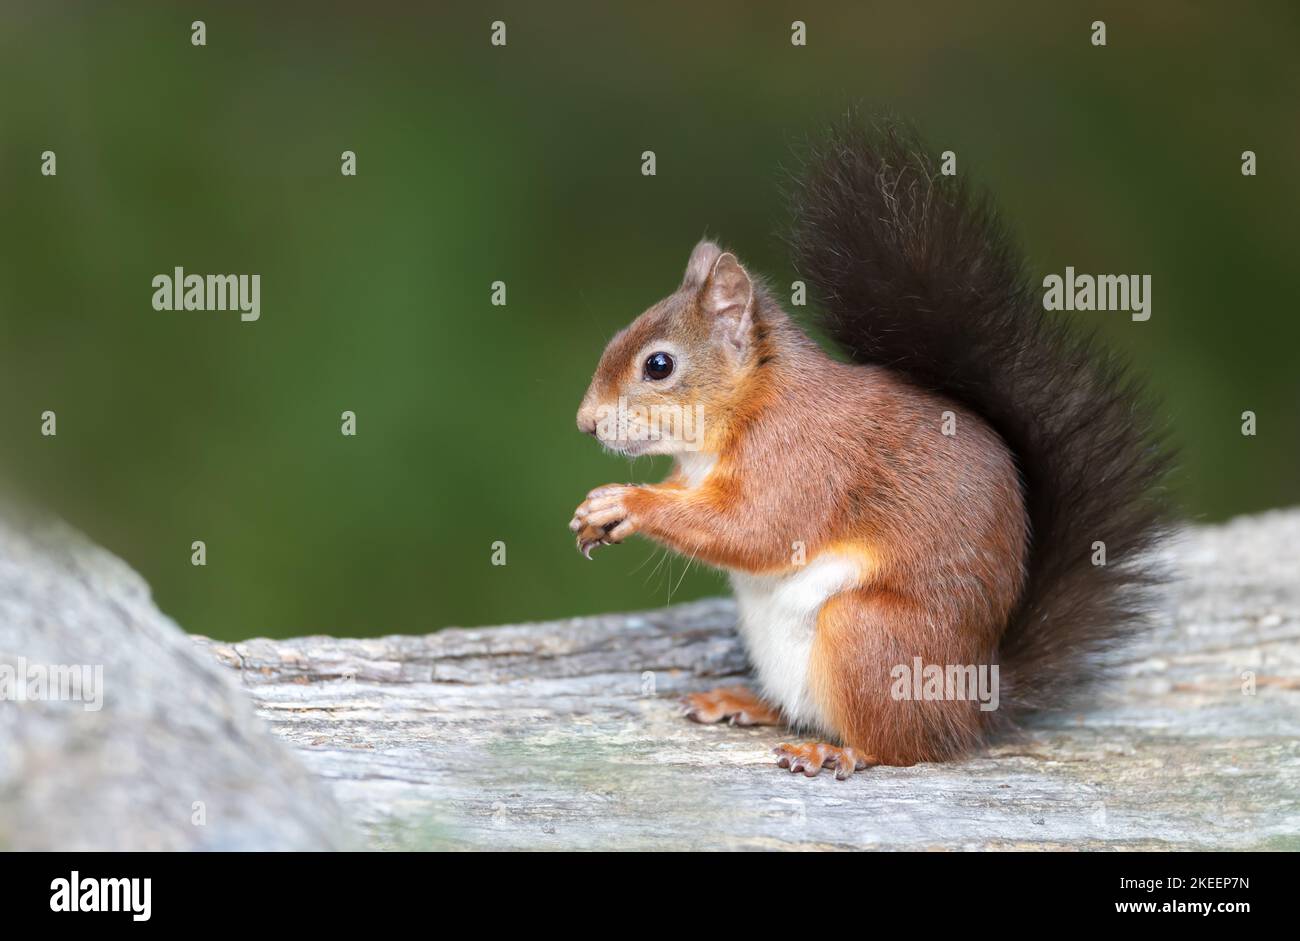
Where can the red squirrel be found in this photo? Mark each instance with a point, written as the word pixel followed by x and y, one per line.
pixel 977 487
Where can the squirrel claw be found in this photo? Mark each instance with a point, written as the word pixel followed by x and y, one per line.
pixel 587 543
pixel 592 536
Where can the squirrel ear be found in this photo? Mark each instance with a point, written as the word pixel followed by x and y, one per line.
pixel 728 300
pixel 701 263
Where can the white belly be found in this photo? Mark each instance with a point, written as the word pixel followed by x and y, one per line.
pixel 778 618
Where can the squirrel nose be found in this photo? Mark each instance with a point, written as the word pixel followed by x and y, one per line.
pixel 586 423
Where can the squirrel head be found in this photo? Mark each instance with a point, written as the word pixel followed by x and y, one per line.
pixel 669 382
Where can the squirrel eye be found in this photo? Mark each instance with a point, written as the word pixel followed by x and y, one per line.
pixel 658 366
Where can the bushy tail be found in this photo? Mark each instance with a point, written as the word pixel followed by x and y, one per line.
pixel 913 272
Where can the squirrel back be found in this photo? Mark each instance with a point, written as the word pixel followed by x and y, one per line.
pixel 915 273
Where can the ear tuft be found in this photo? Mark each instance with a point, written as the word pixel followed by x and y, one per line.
pixel 702 260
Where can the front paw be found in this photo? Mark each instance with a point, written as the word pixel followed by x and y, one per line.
pixel 603 518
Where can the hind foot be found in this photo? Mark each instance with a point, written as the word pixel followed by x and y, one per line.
pixel 811 757
pixel 734 704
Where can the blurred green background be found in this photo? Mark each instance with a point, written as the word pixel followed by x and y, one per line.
pixel 522 164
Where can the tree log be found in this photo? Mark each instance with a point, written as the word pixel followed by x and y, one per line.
pixel 158 749
pixel 567 734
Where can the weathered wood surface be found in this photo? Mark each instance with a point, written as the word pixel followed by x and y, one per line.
pixel 159 750
pixel 567 735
